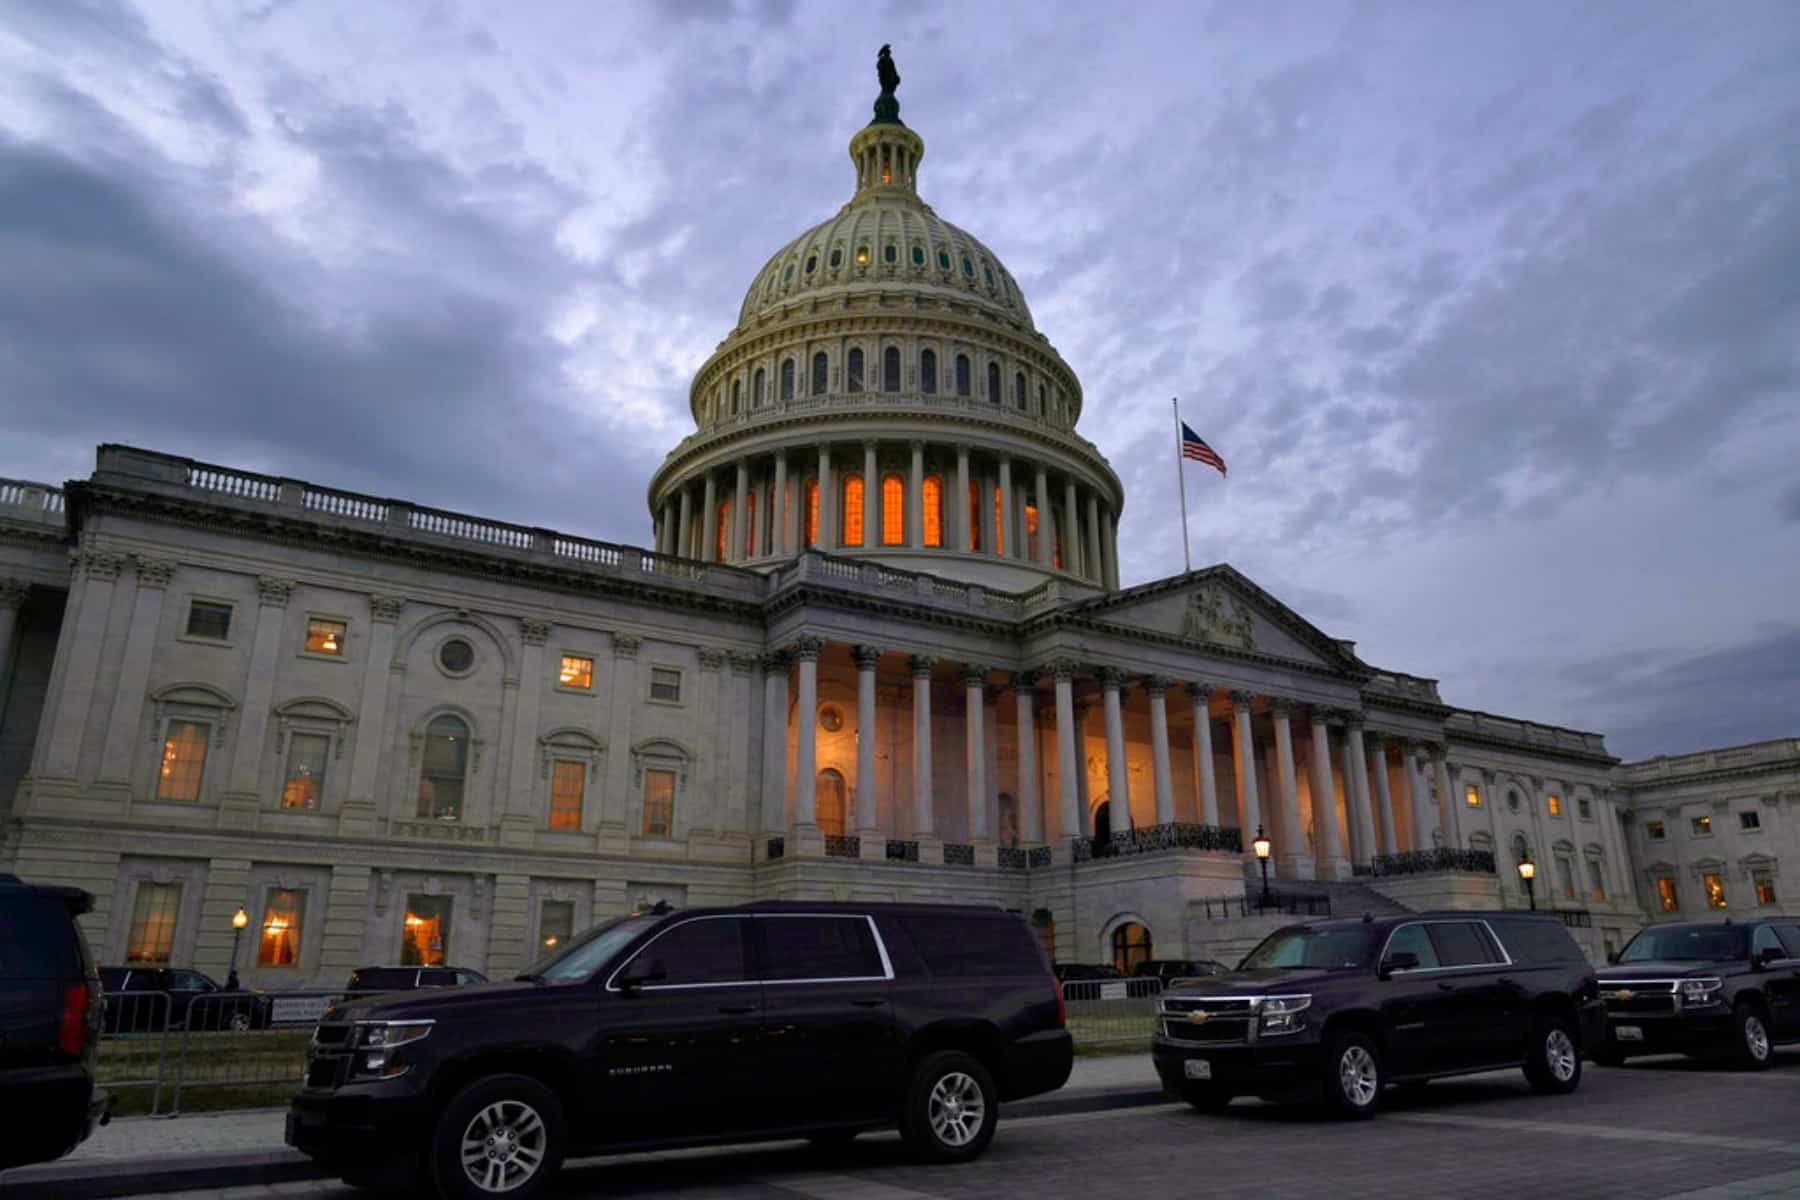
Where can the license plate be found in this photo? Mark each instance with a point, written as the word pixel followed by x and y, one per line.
pixel 1197 1068
pixel 1628 1033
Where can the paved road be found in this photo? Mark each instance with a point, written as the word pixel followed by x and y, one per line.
pixel 1663 1129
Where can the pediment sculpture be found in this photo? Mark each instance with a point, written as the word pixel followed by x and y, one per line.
pixel 1216 615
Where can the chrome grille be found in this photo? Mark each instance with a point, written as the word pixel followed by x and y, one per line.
pixel 1215 1020
pixel 1639 997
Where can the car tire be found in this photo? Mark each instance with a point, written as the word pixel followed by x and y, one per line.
pixel 950 1108
pixel 1206 1098
pixel 240 1022
pixel 503 1135
pixel 1553 1059
pixel 1753 1050
pixel 1353 1076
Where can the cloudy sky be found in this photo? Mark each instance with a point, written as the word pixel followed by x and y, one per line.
pixel 1494 309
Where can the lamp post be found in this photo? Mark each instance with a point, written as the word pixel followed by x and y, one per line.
pixel 239 919
pixel 1262 847
pixel 1528 872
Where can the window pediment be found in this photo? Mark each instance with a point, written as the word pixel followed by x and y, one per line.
pixel 570 742
pixel 192 701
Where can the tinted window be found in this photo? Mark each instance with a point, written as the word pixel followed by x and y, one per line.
pixel 1460 944
pixel 1413 939
pixel 37 938
pixel 818 948
pixel 965 946
pixel 1790 939
pixel 594 950
pixel 1327 949
pixel 113 978
pixel 1764 939
pixel 704 951
pixel 189 981
pixel 1538 941
pixel 384 977
pixel 1688 943
pixel 437 977
pixel 468 977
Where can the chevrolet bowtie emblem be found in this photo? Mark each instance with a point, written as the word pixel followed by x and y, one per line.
pixel 1197 1016
pixel 1623 995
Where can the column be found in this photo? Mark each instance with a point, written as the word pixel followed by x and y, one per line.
pixel 1118 782
pixel 1031 813
pixel 1448 800
pixel 709 521
pixel 1324 799
pixel 975 750
pixel 984 512
pixel 775 722
pixel 1068 788
pixel 959 528
pixel 1201 694
pixel 1295 862
pixel 1109 548
pixel 1046 551
pixel 1243 756
pixel 253 718
pixel 806 728
pixel 1071 532
pixel 517 802
pixel 828 520
pixel 871 498
pixel 915 498
pixel 12 599
pixel 1356 789
pixel 685 532
pixel 738 552
pixel 783 512
pixel 153 576
pixel 615 801
pixel 1384 803
pixel 866 659
pixel 1156 689
pixel 83 633
pixel 1091 562
pixel 920 665
pixel 1006 538
pixel 1419 792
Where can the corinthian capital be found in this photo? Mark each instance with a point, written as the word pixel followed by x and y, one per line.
pixel 273 590
pixel 13 592
pixel 806 649
pixel 154 572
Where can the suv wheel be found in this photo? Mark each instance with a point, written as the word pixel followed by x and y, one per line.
pixel 1754 1050
pixel 1554 1062
pixel 502 1135
pixel 1353 1076
pixel 239 1023
pixel 950 1109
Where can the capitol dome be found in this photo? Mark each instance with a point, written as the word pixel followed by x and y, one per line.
pixel 886 394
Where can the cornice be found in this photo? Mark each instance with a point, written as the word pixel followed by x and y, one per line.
pixel 1052 621
pixel 1472 737
pixel 1715 775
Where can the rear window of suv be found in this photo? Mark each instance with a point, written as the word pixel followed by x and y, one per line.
pixel 37 938
pixel 1541 941
pixel 962 947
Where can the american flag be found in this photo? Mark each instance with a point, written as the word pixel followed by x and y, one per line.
pixel 1194 446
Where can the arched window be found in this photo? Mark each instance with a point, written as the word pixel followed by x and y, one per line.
pixel 1042 411
pixel 444 769
pixel 812 512
pixel 750 507
pixel 890 369
pixel 756 389
pixel 853 509
pixel 821 373
pixel 934 510
pixel 853 372
pixel 993 394
pixel 1019 389
pixel 893 510
pixel 737 396
pixel 828 802
pixel 722 535
pixel 787 379
pixel 974 515
pixel 1130 946
pixel 928 372
pixel 963 383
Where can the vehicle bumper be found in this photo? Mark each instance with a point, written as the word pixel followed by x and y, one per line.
pixel 357 1125
pixel 1037 1063
pixel 1273 1067
pixel 50 1111
pixel 1687 1032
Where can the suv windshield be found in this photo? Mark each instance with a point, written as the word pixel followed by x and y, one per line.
pixel 1687 943
pixel 1323 949
pixel 595 949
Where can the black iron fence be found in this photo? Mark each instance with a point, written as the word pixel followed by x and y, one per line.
pixel 902 851
pixel 1152 838
pixel 1427 862
pixel 959 854
pixel 843 847
pixel 777 848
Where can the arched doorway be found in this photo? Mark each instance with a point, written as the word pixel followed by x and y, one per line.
pixel 828 802
pixel 1102 824
pixel 1130 946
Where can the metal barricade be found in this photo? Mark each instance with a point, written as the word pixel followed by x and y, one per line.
pixel 1103 1011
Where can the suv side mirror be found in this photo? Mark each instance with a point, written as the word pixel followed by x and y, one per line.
pixel 1399 960
pixel 1769 954
pixel 640 972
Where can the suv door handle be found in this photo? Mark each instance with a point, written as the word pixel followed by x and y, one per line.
pixel 871 1002
pixel 737 1010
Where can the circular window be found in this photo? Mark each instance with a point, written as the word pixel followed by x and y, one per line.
pixel 918 256
pixel 943 260
pixel 456 656
pixel 812 260
pixel 837 257
pixel 890 254
pixel 831 718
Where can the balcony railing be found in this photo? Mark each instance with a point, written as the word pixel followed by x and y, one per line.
pixel 1011 858
pixel 843 847
pixel 959 854
pixel 1429 862
pixel 902 851
pixel 776 848
pixel 1152 838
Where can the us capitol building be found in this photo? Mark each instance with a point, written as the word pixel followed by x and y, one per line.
pixel 878 649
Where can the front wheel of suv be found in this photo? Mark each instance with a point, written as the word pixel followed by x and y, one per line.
pixel 950 1108
pixel 1754 1050
pixel 1554 1062
pixel 1353 1078
pixel 499 1136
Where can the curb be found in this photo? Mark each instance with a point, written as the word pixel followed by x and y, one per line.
pixel 194 1172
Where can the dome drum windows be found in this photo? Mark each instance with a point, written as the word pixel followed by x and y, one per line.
pixel 918 256
pixel 812 263
pixel 928 372
pixel 737 396
pixel 890 254
pixel 853 370
pixel 943 260
pixel 893 510
pixel 964 385
pixel 852 510
pixel 837 257
pixel 862 255
pixel 1019 393
pixel 758 388
pixel 993 384
pixel 890 369
pixel 821 372
pixel 787 380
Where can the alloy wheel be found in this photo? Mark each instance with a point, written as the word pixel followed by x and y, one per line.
pixel 1756 1037
pixel 503 1146
pixel 956 1109
pixel 1357 1076
pixel 1559 1055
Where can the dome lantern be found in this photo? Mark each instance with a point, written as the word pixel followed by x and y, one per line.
pixel 886 152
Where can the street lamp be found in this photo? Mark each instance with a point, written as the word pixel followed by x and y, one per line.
pixel 239 919
pixel 1528 872
pixel 1262 847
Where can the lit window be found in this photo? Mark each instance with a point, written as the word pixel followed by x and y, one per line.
pixel 890 368
pixel 862 256
pixel 893 510
pixel 1031 531
pixel 443 770
pixel 722 535
pixel 1596 880
pixel 1565 877
pixel 999 525
pixel 425 933
pixel 576 672
pixel 208 620
pixel 821 371
pixel 1472 796
pixel 1749 820
pixel 665 684
pixel 1130 946
pixel 974 515
pixel 1555 803
pixel 1665 893
pixel 325 637
pixel 1715 889
pixel 1655 831
pixel 812 512
pixel 928 372
pixel 750 507
pixel 556 922
pixel 304 786
pixel 659 802
pixel 183 761
pixel 282 914
pixel 934 510
pixel 853 509
pixel 1764 881
pixel 153 913
pixel 853 371
pixel 568 784
pixel 1702 826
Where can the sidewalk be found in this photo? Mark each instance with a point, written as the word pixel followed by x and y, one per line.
pixel 135 1155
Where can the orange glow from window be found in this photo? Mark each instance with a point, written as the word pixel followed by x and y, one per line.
pixel 893 510
pixel 974 515
pixel 722 535
pixel 1031 530
pixel 750 524
pixel 812 512
pixel 568 785
pixel 934 511
pixel 999 525
pixel 853 509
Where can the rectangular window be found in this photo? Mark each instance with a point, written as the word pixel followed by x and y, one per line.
pixel 556 924
pixel 1655 831
pixel 973 946
pixel 1749 820
pixel 665 684
pixel 1555 803
pixel 183 761
pixel 999 525
pixel 1702 826
pixel 1585 807
pixel 425 935
pixel 699 952
pixel 1715 889
pixel 324 636
pixel 1665 892
pixel 1565 877
pixel 819 948
pixel 152 938
pixel 659 802
pixel 282 915
pixel 305 784
pixel 1764 880
pixel 1596 880
pixel 576 672
pixel 209 620
pixel 1031 532
pixel 1472 796
pixel 568 785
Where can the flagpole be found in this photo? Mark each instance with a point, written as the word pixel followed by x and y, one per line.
pixel 1181 478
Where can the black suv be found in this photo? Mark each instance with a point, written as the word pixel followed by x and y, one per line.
pixel 661 1029
pixel 49 1023
pixel 1348 1007
pixel 1729 987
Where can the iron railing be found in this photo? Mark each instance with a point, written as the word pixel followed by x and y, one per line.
pixel 1427 862
pixel 843 847
pixel 1255 904
pixel 902 851
pixel 1011 858
pixel 959 854
pixel 776 848
pixel 1111 1010
pixel 1152 838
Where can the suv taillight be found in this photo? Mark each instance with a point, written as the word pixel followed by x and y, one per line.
pixel 71 1035
pixel 1062 1011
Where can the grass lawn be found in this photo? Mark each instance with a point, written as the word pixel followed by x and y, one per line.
pixel 217 1071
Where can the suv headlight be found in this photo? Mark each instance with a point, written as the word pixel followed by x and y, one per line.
pixel 373 1043
pixel 1284 1014
pixel 1698 993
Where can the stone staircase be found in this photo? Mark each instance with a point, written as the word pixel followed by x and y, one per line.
pixel 1350 898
